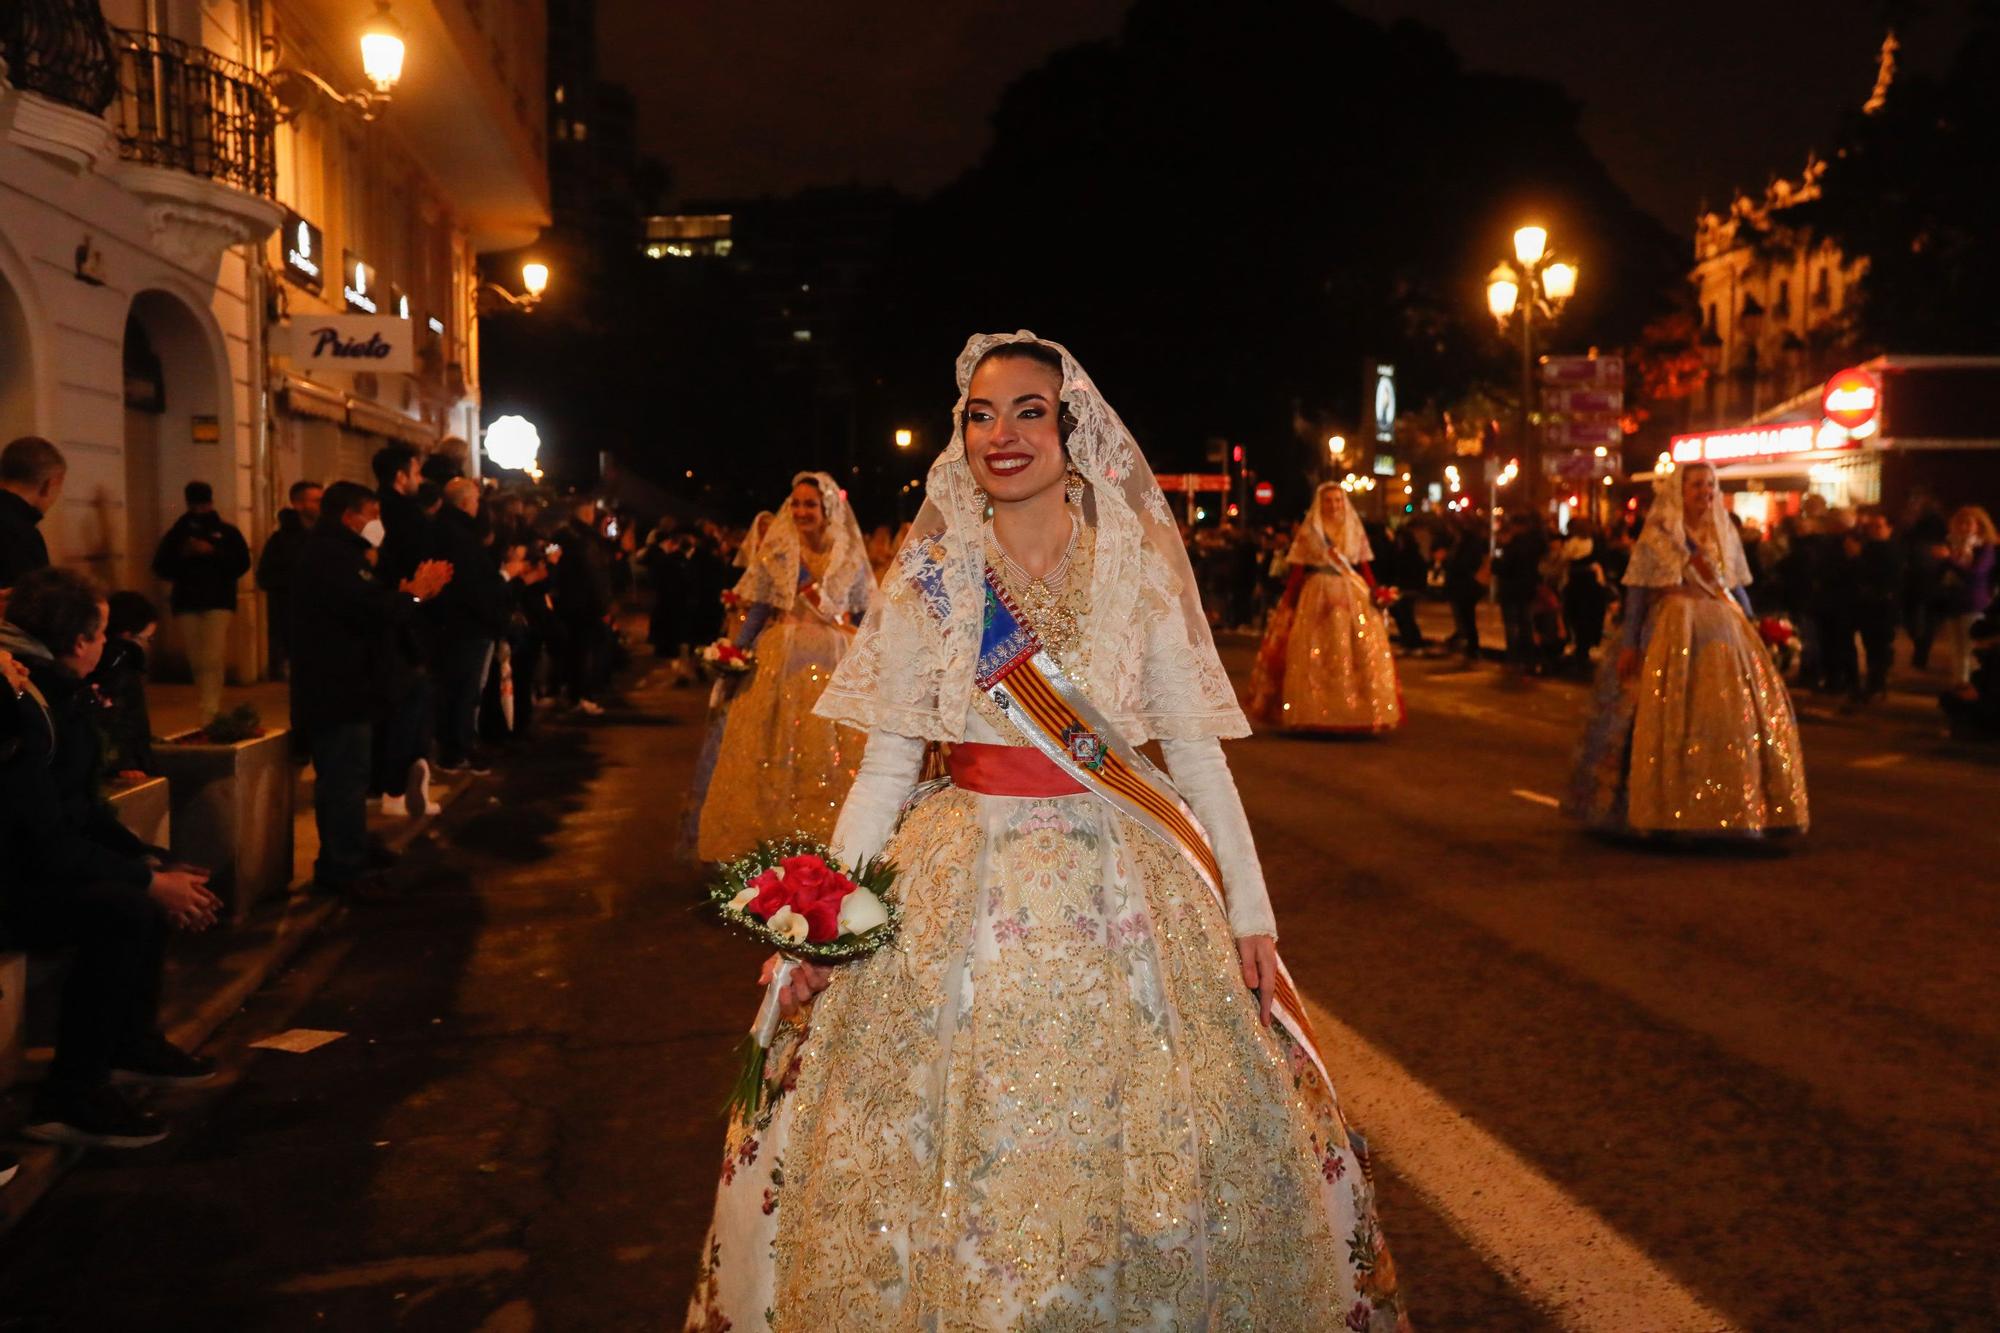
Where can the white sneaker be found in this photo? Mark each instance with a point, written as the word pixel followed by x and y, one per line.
pixel 417 788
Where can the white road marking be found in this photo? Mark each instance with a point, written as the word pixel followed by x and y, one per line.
pixel 1537 797
pixel 1878 761
pixel 1555 1251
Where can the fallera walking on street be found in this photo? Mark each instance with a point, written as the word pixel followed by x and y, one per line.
pixel 605 727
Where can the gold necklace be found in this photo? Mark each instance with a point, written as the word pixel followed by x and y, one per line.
pixel 1054 604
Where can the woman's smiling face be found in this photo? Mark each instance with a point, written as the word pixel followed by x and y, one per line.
pixel 1013 432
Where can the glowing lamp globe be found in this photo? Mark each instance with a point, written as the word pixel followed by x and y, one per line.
pixel 382 50
pixel 1501 295
pixel 513 443
pixel 535 277
pixel 1559 281
pixel 1530 244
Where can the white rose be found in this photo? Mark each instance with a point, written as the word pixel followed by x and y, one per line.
pixel 742 900
pixel 789 924
pixel 861 911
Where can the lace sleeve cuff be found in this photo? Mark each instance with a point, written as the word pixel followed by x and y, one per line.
pixel 1202 774
pixel 888 771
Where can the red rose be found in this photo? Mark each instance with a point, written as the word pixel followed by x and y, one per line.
pixel 822 918
pixel 805 878
pixel 772 893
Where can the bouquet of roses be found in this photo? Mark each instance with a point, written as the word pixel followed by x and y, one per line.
pixel 796 896
pixel 731 601
pixel 723 658
pixel 1387 595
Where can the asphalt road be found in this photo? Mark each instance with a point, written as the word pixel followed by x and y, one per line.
pixel 1607 1087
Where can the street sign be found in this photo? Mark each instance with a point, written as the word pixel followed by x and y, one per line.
pixel 1851 399
pixel 1264 493
pixel 1194 481
pixel 1583 433
pixel 1573 401
pixel 1603 372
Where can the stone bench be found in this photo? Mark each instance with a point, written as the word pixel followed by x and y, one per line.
pixel 143 807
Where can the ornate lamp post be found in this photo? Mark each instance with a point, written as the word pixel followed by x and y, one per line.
pixel 1530 281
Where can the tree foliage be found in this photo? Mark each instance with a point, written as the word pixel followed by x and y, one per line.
pixel 1911 189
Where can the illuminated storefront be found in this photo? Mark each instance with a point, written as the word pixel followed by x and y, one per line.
pixel 1895 431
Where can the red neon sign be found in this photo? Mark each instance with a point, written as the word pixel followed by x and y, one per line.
pixel 1851 399
pixel 1757 442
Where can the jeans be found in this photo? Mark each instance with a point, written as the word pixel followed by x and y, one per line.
pixel 1518 619
pixel 111 998
pixel 1404 612
pixel 205 636
pixel 402 736
pixel 1465 624
pixel 340 754
pixel 460 668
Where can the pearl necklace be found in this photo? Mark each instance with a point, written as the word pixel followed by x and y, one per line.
pixel 1053 581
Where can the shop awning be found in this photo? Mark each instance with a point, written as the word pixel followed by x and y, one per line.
pixel 304 398
pixel 381 421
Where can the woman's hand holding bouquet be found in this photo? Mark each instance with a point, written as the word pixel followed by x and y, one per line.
pixel 796 896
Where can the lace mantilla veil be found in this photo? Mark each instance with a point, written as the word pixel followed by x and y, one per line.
pixel 1150 660
pixel 1311 544
pixel 1660 556
pixel 846 586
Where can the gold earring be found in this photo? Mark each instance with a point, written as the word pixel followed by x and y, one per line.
pixel 1073 486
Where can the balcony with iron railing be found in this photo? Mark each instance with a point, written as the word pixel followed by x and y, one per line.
pixel 188 131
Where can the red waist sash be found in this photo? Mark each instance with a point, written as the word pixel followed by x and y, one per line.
pixel 1008 770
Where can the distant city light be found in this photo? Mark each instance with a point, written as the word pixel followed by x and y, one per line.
pixel 514 443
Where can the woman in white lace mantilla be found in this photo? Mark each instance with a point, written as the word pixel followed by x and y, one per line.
pixel 1691 728
pixel 1059 1100
pixel 1325 663
pixel 780 768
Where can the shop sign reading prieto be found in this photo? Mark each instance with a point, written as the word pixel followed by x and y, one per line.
pixel 381 343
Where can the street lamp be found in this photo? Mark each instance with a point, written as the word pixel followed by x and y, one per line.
pixel 905 438
pixel 1531 281
pixel 382 51
pixel 1336 445
pixel 534 281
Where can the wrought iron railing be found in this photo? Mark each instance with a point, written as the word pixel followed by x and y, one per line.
pixel 61 50
pixel 184 107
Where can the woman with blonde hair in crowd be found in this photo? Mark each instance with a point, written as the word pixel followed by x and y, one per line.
pixel 1969 556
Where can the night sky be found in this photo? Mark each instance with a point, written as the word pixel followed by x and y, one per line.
pixel 1682 101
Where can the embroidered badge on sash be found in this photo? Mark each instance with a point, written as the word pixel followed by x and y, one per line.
pixel 1085 746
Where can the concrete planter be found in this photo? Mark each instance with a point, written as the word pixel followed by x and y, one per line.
pixel 232 812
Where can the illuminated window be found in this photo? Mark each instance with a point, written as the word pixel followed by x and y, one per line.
pixel 579 131
pixel 802 335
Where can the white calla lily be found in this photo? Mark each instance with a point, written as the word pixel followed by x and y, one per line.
pixel 861 911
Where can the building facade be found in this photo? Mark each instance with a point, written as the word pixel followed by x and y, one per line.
pixel 184 185
pixel 1776 300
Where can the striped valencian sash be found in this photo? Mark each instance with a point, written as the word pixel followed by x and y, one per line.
pixel 1052 714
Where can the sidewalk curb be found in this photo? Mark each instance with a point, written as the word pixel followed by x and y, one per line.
pixel 303 915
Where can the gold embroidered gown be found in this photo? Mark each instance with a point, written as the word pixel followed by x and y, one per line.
pixel 1048 1105
pixel 781 769
pixel 1702 739
pixel 1325 663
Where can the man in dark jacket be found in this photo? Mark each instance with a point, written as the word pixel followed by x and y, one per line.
pixel 1465 574
pixel 348 673
pixel 32 472
pixel 405 530
pixel 583 602
pixel 1517 569
pixel 1875 560
pixel 275 566
pixel 77 878
pixel 203 556
pixel 467 620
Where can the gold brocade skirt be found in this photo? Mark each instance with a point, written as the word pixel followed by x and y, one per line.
pixel 1049 1105
pixel 1325 664
pixel 781 769
pixel 1702 740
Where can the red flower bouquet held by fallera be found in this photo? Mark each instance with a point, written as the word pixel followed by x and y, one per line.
pixel 723 658
pixel 799 898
